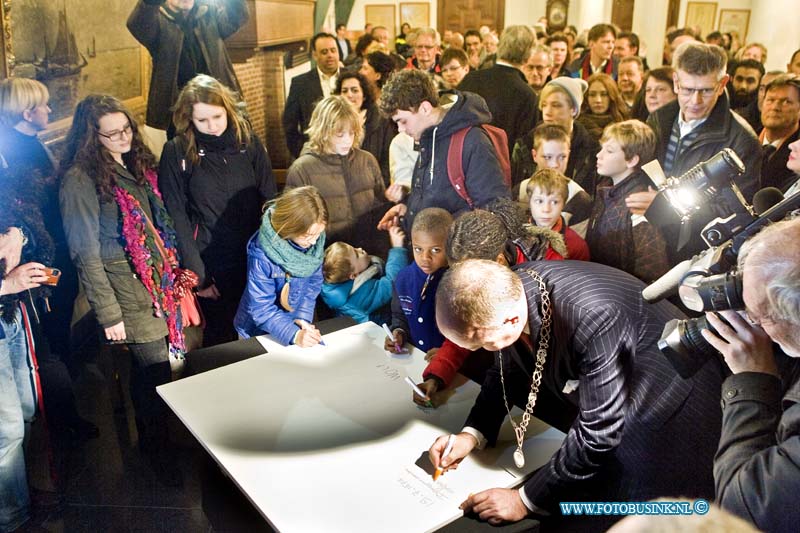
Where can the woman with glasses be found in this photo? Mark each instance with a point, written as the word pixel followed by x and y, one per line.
pixel 216 176
pixel 121 240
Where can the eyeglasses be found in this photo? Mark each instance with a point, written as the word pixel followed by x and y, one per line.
pixel 756 319
pixel 540 68
pixel 704 92
pixel 116 136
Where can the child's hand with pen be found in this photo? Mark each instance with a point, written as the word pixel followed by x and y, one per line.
pixel 395 341
pixel 308 335
pixel 429 388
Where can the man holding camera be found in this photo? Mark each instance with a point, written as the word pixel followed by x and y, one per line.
pixel 184 38
pixel 691 130
pixel 757 466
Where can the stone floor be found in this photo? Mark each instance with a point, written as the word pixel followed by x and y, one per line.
pixel 109 485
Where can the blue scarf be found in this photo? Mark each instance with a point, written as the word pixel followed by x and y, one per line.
pixel 297 262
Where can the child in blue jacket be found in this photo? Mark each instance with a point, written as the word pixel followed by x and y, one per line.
pixel 355 282
pixel 284 270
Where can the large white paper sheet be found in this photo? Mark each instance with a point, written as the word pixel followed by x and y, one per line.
pixel 328 439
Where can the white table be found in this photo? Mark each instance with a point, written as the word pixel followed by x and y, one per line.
pixel 328 439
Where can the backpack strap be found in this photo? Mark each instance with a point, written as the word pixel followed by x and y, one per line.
pixel 455 161
pixel 455 167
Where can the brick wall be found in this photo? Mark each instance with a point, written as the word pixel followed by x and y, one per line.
pixel 261 78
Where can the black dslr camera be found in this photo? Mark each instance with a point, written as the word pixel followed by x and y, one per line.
pixel 709 281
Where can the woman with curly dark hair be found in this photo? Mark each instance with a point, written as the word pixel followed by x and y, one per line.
pixel 216 176
pixel 121 240
pixel 378 130
pixel 603 104
pixel 377 67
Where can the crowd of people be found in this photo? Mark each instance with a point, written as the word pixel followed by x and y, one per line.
pixel 509 164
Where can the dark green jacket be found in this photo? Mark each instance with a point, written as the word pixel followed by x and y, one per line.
pixel 93 228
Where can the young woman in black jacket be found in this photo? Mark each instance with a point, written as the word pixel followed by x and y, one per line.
pixel 215 176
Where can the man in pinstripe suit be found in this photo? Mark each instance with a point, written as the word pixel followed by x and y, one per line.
pixel 635 429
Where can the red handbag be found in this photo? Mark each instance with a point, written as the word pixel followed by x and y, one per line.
pixel 185 281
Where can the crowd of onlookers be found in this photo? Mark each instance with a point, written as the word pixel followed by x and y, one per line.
pixel 409 157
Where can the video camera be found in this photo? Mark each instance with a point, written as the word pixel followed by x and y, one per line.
pixel 709 281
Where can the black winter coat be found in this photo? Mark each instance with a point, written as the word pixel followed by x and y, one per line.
pixel 512 102
pixel 430 184
pixel 216 204
pixel 378 135
pixel 722 129
pixel 156 28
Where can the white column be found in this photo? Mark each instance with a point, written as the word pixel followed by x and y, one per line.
pixel 649 23
pixel 774 23
pixel 584 14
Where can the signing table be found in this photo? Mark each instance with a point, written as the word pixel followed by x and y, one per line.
pixel 328 439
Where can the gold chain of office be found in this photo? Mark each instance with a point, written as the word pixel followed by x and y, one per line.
pixel 536 378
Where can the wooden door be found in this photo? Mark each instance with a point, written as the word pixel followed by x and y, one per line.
pixel 463 15
pixel 622 14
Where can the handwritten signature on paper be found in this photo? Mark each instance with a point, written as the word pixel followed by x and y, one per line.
pixel 424 489
pixel 389 371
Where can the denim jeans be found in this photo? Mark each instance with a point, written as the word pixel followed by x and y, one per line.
pixel 17 407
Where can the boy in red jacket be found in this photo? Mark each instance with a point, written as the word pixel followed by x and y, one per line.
pixel 548 191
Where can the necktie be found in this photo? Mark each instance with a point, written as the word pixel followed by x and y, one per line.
pixel 767 150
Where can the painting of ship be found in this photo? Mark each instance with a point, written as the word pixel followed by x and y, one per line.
pixel 75 50
pixel 63 59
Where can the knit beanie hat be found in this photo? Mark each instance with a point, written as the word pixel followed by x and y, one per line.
pixel 575 87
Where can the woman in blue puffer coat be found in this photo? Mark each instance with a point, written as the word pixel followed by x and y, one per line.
pixel 284 270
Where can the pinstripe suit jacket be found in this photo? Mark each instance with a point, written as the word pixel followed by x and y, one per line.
pixel 635 429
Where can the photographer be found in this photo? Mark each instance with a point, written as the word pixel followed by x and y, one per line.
pixel 184 38
pixel 757 466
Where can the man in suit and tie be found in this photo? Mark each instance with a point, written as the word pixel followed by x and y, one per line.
pixel 578 338
pixel 342 43
pixel 511 100
pixel 307 89
pixel 780 115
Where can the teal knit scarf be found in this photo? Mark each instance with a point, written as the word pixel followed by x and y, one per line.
pixel 298 263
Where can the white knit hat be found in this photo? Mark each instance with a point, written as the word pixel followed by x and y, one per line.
pixel 575 88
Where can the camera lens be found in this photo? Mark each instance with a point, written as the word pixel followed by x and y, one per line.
pixel 684 346
pixel 712 293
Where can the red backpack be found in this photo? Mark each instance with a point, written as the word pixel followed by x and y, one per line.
pixel 455 168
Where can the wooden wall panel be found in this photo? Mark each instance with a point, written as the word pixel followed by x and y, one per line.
pixel 461 15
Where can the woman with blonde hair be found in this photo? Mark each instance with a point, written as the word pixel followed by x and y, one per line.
pixel 215 176
pixel 378 130
pixel 603 105
pixel 348 178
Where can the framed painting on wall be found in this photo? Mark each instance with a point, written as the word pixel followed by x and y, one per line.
pixel 737 20
pixel 382 15
pixel 701 15
pixel 75 50
pixel 417 14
